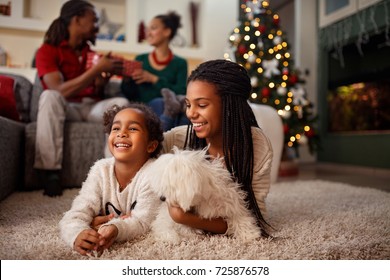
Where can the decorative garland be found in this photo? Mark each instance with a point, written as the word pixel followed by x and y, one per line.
pixel 359 27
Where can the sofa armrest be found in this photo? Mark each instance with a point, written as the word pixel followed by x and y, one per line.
pixel 12 155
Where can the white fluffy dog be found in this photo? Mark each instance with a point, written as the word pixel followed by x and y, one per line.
pixel 191 181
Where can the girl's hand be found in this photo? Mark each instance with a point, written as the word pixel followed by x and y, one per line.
pixel 215 225
pixel 108 234
pixel 177 214
pixel 87 240
pixel 125 216
pixel 100 220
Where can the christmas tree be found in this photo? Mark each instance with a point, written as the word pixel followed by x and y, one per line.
pixel 261 47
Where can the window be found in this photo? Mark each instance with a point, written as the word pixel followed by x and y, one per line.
pixel 334 10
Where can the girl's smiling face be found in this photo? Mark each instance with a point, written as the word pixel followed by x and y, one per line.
pixel 129 139
pixel 204 110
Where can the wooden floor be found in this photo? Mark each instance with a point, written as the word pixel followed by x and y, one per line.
pixel 357 176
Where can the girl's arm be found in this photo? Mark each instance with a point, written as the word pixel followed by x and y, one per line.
pixel 216 225
pixel 85 206
pixel 137 221
pixel 261 181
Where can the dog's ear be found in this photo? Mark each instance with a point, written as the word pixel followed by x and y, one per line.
pixel 185 194
pixel 156 173
pixel 180 183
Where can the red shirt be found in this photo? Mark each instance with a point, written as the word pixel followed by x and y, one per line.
pixel 62 58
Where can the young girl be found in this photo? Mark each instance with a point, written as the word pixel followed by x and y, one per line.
pixel 117 187
pixel 220 116
pixel 164 75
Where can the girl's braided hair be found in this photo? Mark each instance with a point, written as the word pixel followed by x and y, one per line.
pixel 58 30
pixel 233 85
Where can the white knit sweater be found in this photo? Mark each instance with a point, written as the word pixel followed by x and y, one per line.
pixel 100 192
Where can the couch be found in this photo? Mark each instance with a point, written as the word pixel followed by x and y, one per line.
pixel 83 142
pixel 11 151
pixel 270 122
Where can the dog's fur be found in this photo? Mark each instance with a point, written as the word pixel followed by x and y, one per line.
pixel 195 183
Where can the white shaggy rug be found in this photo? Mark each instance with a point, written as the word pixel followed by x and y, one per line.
pixel 314 220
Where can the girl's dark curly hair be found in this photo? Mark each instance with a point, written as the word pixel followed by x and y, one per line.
pixel 58 30
pixel 152 122
pixel 233 85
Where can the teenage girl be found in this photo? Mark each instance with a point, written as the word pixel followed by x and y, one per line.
pixel 220 116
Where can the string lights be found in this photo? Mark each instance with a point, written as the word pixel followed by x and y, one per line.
pixel 260 45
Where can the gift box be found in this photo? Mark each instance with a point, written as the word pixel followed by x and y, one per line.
pixel 128 65
pixel 92 59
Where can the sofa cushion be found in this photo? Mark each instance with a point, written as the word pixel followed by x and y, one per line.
pixel 22 94
pixel 7 99
pixel 83 145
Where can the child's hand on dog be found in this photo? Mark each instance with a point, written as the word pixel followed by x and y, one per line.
pixel 108 234
pixel 98 221
pixel 125 216
pixel 177 214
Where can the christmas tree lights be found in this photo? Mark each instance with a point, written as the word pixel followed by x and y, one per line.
pixel 261 47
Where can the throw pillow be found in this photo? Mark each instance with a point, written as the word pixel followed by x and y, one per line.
pixel 22 92
pixel 7 99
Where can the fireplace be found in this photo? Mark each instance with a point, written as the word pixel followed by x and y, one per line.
pixel 358 97
pixel 354 89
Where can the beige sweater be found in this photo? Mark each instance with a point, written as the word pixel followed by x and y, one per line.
pixel 262 159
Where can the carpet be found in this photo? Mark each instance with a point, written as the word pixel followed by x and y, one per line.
pixel 312 220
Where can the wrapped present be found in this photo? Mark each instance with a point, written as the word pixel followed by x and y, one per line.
pixel 128 65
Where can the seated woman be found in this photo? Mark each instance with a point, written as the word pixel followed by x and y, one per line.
pixel 161 83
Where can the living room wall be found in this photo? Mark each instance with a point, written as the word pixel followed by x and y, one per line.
pixel 218 18
pixel 216 21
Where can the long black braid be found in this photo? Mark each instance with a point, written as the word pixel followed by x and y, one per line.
pixel 234 87
pixel 58 30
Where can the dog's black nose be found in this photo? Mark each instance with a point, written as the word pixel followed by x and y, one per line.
pixel 162 198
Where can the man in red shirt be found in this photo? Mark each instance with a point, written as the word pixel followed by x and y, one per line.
pixel 72 92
